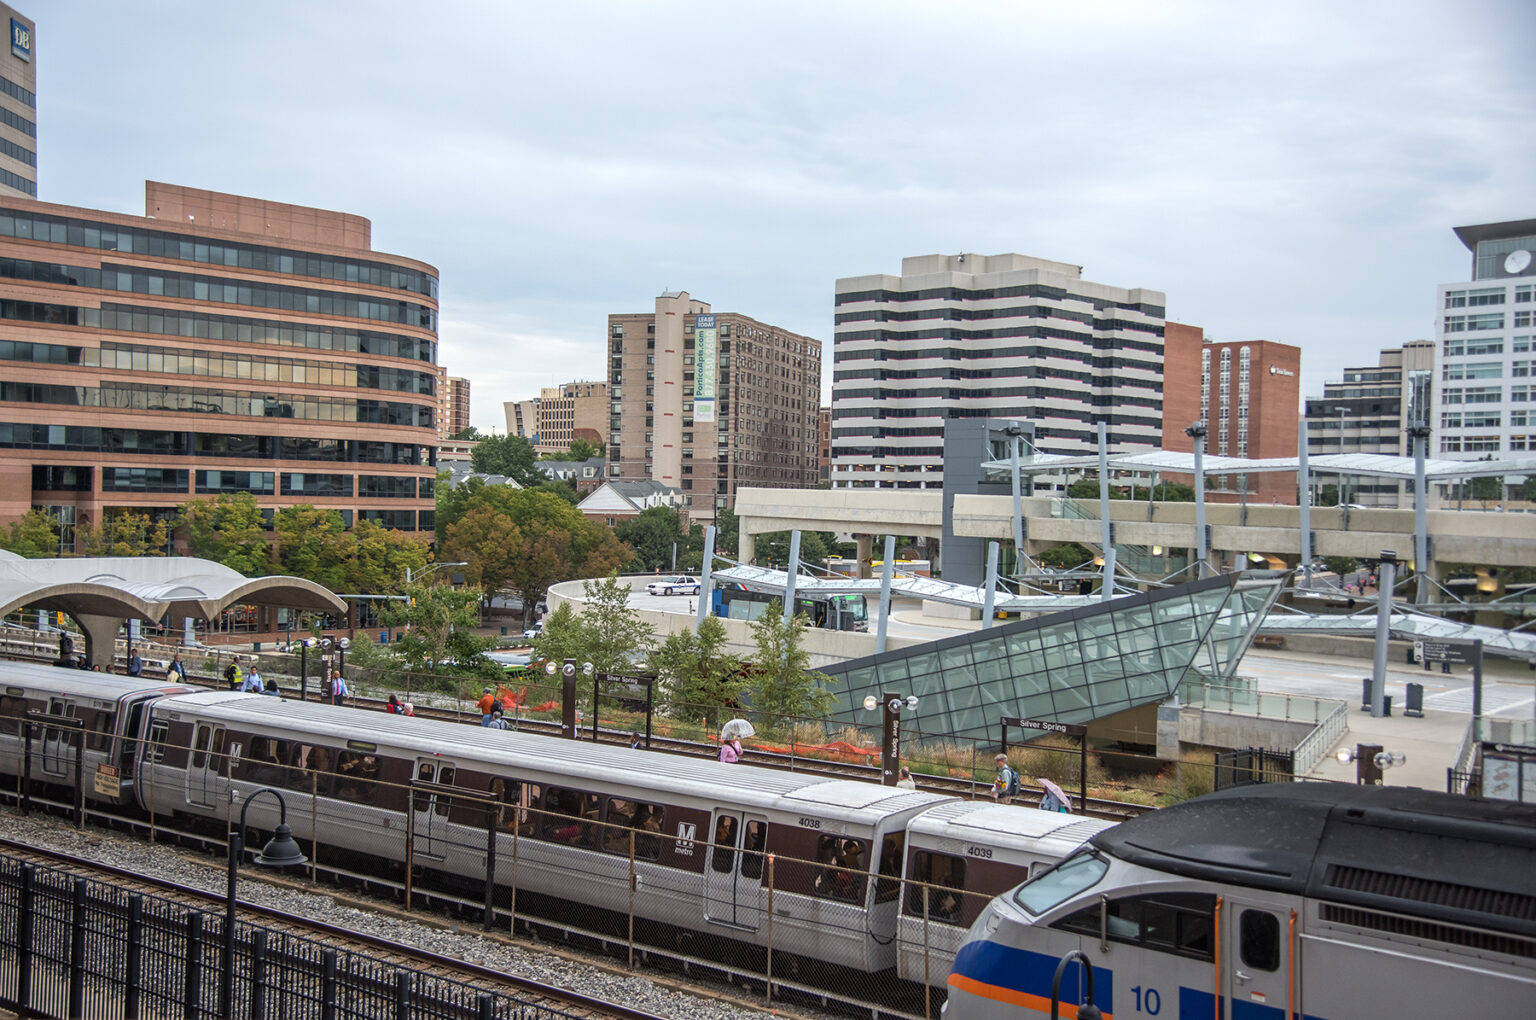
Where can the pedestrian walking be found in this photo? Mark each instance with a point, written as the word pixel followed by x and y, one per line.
pixel 487 704
pixel 135 664
pixel 338 688
pixel 904 779
pixel 253 682
pixel 497 722
pixel 1006 786
pixel 177 670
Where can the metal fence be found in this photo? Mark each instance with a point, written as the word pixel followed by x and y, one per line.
pixel 77 948
pixel 1254 765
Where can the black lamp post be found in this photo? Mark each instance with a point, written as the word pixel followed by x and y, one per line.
pixel 304 668
pixel 890 737
pixel 280 852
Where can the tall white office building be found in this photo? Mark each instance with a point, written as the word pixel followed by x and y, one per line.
pixel 1486 396
pixel 988 336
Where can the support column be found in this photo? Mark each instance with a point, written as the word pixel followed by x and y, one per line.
pixel 706 589
pixel 866 549
pixel 1106 529
pixel 1386 576
pixel 887 570
pixel 1420 434
pixel 794 570
pixel 100 639
pixel 746 547
pixel 991 595
pixel 1304 500
pixel 1018 512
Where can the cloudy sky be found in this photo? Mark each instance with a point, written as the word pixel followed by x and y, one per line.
pixel 1284 171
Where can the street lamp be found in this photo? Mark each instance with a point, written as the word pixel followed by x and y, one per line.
pixel 567 670
pixel 280 852
pixel 1198 431
pixel 1370 762
pixel 304 647
pixel 890 743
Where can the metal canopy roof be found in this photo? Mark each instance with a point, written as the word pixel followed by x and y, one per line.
pixel 1374 465
pixel 930 588
pixel 1411 626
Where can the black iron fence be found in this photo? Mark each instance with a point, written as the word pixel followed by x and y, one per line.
pixel 1254 765
pixel 70 947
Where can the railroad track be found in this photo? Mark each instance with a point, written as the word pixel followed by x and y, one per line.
pixel 377 948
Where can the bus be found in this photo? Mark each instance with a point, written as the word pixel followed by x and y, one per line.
pixel 830 612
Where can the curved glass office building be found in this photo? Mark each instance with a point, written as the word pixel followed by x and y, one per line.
pixel 218 344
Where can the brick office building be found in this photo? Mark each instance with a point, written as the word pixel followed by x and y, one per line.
pixel 1248 393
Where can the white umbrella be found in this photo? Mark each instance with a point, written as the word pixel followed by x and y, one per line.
pixel 736 729
pixel 1055 791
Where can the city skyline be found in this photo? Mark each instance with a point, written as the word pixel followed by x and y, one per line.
pixel 1290 174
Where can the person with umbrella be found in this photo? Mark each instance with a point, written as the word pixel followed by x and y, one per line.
pixel 730 739
pixel 1053 797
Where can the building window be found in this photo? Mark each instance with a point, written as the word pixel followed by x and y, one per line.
pixel 617 331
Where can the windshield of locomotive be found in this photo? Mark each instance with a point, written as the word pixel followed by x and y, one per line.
pixel 1062 882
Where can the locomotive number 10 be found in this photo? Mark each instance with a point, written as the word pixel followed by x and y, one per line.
pixel 1147 1000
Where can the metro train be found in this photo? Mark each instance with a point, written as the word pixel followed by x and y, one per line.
pixel 360 782
pixel 1287 901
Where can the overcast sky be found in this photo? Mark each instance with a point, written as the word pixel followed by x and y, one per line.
pixel 1284 171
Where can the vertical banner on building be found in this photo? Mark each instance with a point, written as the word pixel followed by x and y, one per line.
pixel 705 356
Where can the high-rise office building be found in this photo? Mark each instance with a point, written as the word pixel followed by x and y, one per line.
pixel 990 336
pixel 1247 392
pixel 1369 410
pixel 18 108
pixel 1486 399
pixel 710 401
pixel 219 344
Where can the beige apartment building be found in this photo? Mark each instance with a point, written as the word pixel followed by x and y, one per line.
pixel 576 410
pixel 18 108
pixel 708 402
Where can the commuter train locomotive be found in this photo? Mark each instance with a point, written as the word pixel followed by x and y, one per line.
pixel 390 791
pixel 1290 900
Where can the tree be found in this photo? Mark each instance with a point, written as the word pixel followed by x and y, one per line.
pixel 580 449
pixel 606 633
pixel 727 532
pixel 1527 490
pixel 526 540
pixel 697 675
pixel 782 688
pixel 774 547
pixel 469 435
pixel 380 557
pixel 1065 557
pixel 439 623
pixel 650 536
pixel 33 535
pixel 313 544
pixel 506 455
pixel 125 532
pixel 1341 565
pixel 616 634
pixel 228 529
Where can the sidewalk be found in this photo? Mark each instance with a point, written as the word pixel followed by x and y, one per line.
pixel 1430 744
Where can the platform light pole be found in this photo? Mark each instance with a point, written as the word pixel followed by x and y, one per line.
pixel 1197 431
pixel 891 706
pixel 280 852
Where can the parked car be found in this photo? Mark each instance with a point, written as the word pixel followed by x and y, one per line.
pixel 677 584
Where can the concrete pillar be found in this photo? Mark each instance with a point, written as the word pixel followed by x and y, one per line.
pixel 865 553
pixel 747 547
pixel 100 639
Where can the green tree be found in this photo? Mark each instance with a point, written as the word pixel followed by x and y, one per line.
pixel 380 558
pixel 313 544
pixel 556 487
pixel 507 455
pixel 607 632
pixel 727 532
pixel 228 529
pixel 33 535
pixel 616 632
pixel 542 540
pixel 1065 557
pixel 438 622
pixel 650 536
pixel 1527 490
pixel 1341 565
pixel 580 449
pixel 781 685
pixel 697 675
pixel 124 532
pixel 814 547
pixel 469 435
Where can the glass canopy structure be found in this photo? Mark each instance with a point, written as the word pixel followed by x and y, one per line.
pixel 1074 666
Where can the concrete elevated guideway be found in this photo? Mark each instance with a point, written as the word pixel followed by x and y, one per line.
pixel 1455 536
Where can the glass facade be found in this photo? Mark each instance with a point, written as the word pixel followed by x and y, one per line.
pixel 1073 666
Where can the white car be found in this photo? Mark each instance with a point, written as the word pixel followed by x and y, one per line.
pixel 678 584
